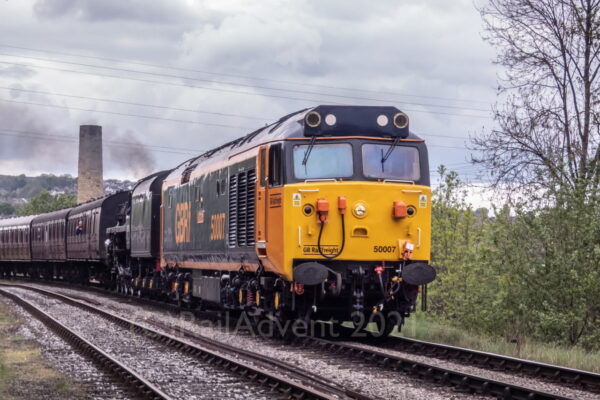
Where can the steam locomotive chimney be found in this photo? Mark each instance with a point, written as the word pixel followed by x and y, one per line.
pixel 90 184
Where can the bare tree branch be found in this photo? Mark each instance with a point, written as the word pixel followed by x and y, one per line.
pixel 548 128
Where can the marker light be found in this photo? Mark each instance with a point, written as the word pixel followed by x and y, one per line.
pixel 330 119
pixel 382 120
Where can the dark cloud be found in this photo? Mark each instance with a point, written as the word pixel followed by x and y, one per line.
pixel 126 153
pixel 29 136
pixel 156 11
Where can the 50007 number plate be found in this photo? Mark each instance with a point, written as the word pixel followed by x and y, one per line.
pixel 384 249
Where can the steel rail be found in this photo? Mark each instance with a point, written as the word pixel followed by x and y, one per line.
pixel 584 380
pixel 303 387
pixel 459 380
pixel 136 383
pixel 254 357
pixel 269 362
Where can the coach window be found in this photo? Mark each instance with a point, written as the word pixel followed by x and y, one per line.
pixel 275 173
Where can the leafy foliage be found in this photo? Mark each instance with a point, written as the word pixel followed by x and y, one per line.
pixel 532 273
pixel 45 202
pixel 22 186
pixel 7 209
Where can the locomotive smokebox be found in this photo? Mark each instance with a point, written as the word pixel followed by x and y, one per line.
pixel 90 183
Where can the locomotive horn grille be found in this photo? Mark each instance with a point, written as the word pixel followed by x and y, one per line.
pixel 401 120
pixel 313 119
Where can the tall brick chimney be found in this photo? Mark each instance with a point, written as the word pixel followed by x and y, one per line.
pixel 90 183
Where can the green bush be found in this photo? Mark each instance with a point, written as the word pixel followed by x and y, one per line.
pixel 523 274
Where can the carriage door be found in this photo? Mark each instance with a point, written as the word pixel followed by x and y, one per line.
pixel 261 201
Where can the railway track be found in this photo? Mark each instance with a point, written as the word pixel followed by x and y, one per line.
pixel 138 385
pixel 290 381
pixel 460 381
pixel 584 380
pixel 580 379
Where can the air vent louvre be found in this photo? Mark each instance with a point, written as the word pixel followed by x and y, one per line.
pixel 250 207
pixel 242 201
pixel 232 237
pixel 242 209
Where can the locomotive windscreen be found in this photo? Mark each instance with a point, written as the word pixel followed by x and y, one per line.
pixel 323 161
pixel 402 163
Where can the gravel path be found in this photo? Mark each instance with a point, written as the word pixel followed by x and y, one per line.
pixel 358 376
pixel 66 359
pixel 177 374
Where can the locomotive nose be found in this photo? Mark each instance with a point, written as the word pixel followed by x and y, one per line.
pixel 370 221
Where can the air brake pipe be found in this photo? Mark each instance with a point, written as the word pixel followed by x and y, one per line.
pixel 322 213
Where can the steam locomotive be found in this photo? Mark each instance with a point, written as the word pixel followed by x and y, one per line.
pixel 324 214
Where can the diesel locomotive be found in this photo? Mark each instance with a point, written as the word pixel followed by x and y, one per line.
pixel 324 214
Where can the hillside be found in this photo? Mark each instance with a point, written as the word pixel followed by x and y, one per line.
pixel 16 191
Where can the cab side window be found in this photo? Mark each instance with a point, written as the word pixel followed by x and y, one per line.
pixel 275 166
pixel 263 167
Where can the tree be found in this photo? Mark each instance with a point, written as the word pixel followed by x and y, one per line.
pixel 45 202
pixel 7 209
pixel 548 145
pixel 523 274
pixel 548 126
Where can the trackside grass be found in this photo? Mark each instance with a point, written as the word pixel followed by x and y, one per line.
pixel 24 374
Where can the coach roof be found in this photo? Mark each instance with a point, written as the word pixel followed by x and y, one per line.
pixel 17 221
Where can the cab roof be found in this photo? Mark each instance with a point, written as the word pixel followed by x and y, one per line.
pixel 349 121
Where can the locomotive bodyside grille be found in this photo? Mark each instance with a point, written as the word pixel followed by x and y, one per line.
pixel 232 211
pixel 242 209
pixel 250 207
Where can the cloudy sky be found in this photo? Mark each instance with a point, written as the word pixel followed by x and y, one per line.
pixel 167 79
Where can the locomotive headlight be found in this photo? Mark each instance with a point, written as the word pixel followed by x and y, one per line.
pixel 359 210
pixel 313 119
pixel 401 120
